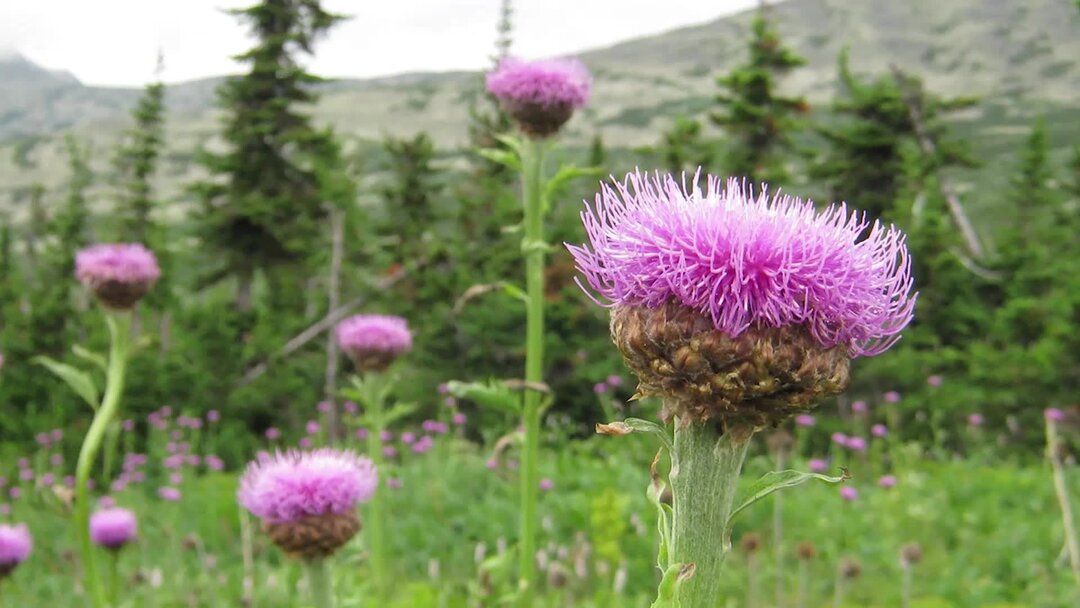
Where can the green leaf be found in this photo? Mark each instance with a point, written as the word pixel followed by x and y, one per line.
pixel 562 177
pixel 636 425
pixel 771 482
pixel 502 157
pixel 395 413
pixel 491 394
pixel 667 595
pixel 78 380
pixel 515 292
pixel 89 355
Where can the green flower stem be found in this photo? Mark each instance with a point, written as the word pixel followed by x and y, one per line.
pixel 114 577
pixel 375 528
pixel 114 385
pixel 1071 544
pixel 704 477
pixel 532 162
pixel 320 583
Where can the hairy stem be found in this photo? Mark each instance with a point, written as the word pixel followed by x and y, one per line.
pixel 1058 469
pixel 532 153
pixel 320 583
pixel 375 529
pixel 110 404
pixel 704 478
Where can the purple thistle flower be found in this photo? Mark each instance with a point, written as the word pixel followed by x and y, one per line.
pixel 214 463
pixel 600 388
pixel 48 479
pixel 273 434
pixel 817 465
pixel 170 494
pixel 540 95
pixel 15 546
pixel 491 464
pixel 213 416
pixel 56 435
pixel 849 493
pixel 106 502
pixel 351 407
pixel 128 425
pixel 42 439
pixel 805 420
pixel 839 438
pixel 748 260
pixel 459 419
pixel 5 509
pixel 394 483
pixel 306 443
pixel 14 492
pixel 546 484
pixel 362 433
pixel 324 407
pixel 118 274
pixel 859 407
pixel 386 435
pixel 389 452
pixel 450 402
pixel 117 486
pixel 312 427
pixel 442 388
pixel 373 342
pixel 294 485
pixel 934 381
pixel 857 444
pixel 423 445
pixel 879 430
pixel 887 481
pixel 975 420
pixel 23 462
pixel 26 475
pixel 407 438
pixel 176 479
pixel 113 528
pixel 1053 414
pixel 891 397
pixel 614 380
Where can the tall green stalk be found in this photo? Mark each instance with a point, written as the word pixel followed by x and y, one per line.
pixel 119 324
pixel 704 477
pixel 372 393
pixel 320 582
pixel 1072 545
pixel 533 246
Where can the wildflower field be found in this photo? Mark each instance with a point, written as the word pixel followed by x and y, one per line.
pixel 395 376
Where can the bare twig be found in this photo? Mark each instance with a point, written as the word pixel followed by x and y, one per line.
pixel 926 143
pixel 333 296
pixel 301 339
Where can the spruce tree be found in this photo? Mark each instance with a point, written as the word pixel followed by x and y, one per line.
pixel 862 161
pixel 683 147
pixel 487 120
pixel 263 209
pixel 136 164
pixel 759 120
pixel 1032 197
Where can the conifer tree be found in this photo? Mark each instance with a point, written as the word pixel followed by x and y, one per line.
pixel 411 189
pixel 683 147
pixel 263 207
pixel 136 164
pixel 759 120
pixel 487 120
pixel 1032 196
pixel 862 162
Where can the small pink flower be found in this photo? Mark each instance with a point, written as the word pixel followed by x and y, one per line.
pixel 443 388
pixel 362 434
pixel 350 407
pixel 887 481
pixel 169 494
pixel 614 380
pixel 407 438
pixel 859 407
pixel 43 439
pixel 48 479
pixel 128 425
pixel 599 388
pixel 805 420
pixel 492 464
pixel 857 444
pixel 273 434
pixel 879 430
pixel 450 402
pixel 386 435
pixel 934 381
pixel 839 438
pixel 975 420
pixel 176 479
pixel 389 451
pixel 546 484
pixel 891 397
pixel 1053 414
pixel 306 443
pixel 459 419
pixel 394 483
pixel 312 427
pixel 324 407
pixel 849 493
pixel 213 416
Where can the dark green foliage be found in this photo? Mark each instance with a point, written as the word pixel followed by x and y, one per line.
pixel 861 164
pixel 136 164
pixel 757 119
pixel 684 148
pixel 263 208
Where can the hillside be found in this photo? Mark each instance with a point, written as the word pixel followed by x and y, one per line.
pixel 1020 57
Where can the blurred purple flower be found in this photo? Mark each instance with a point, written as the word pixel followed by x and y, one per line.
pixel 118 274
pixel 839 438
pixel 213 416
pixel 546 484
pixel 879 430
pixel 394 483
pixel 294 485
pixel 306 443
pixel 599 388
pixel 975 420
pixel 169 494
pixel 1054 414
pixel 113 527
pixel 407 438
pixel 614 380
pixel 312 427
pixel 324 407
pixel 891 397
pixel 350 407
pixel 362 433
pixel 15 546
pixel 857 444
pixel 858 407
pixel 805 420
pixel 273 434
pixel 849 493
pixel 887 481
pixel 459 419
pixel 389 451
pixel 934 381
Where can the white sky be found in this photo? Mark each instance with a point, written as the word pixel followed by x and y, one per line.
pixel 115 42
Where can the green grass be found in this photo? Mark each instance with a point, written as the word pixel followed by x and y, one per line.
pixel 990 533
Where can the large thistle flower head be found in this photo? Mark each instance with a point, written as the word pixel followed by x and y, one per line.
pixel 119 274
pixel 307 500
pixel 373 342
pixel 540 95
pixel 15 547
pixel 741 304
pixel 113 527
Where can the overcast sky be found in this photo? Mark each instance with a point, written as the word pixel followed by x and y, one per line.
pixel 115 42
